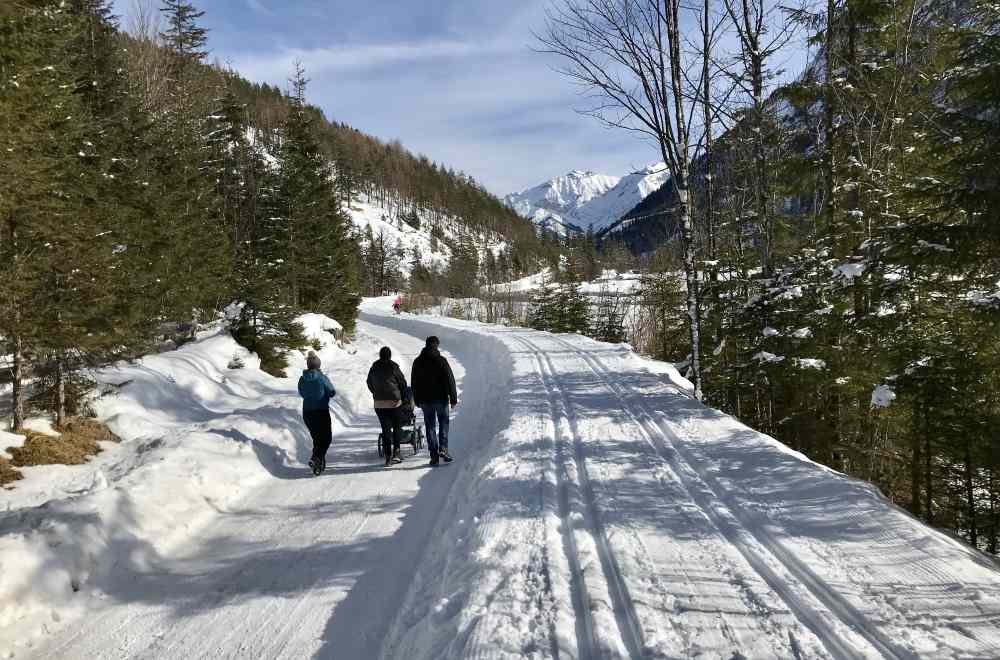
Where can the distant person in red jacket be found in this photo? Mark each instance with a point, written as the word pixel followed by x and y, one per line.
pixel 397 304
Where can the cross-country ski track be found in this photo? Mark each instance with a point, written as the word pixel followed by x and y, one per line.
pixel 594 510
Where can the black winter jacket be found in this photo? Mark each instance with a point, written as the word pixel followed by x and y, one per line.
pixel 432 379
pixel 386 381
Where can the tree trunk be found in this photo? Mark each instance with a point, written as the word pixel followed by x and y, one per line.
pixel 992 541
pixel 60 392
pixel 828 136
pixel 709 145
pixel 928 479
pixel 916 442
pixel 17 376
pixel 761 165
pixel 970 496
pixel 691 278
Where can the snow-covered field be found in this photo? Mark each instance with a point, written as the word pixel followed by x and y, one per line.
pixel 594 510
pixel 609 282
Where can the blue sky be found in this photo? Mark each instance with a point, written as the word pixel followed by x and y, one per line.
pixel 456 80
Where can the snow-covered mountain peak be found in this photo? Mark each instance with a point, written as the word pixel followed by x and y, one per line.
pixel 581 199
pixel 563 193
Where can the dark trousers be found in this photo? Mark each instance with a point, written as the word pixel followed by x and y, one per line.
pixel 436 420
pixel 391 420
pixel 318 423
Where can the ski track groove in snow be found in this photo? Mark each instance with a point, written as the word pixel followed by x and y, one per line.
pixel 587 643
pixel 629 641
pixel 724 509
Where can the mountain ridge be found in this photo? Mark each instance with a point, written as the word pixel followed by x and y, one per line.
pixel 583 199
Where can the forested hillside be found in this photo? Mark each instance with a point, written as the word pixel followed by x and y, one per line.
pixel 143 191
pixel 845 233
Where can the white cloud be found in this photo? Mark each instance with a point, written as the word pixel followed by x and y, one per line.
pixel 258 6
pixel 360 58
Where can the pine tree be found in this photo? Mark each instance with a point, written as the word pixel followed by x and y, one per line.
pixel 319 258
pixel 542 313
pixel 183 36
pixel 463 269
pixel 266 322
pixel 58 223
pixel 200 264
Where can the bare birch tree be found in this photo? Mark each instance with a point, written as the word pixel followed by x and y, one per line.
pixel 629 56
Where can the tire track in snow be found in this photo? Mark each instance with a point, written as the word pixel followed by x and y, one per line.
pixel 732 523
pixel 611 589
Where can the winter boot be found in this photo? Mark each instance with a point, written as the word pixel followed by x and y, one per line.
pixel 445 456
pixel 315 465
pixel 434 460
pixel 396 458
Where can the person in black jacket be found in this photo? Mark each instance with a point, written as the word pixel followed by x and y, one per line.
pixel 434 390
pixel 388 387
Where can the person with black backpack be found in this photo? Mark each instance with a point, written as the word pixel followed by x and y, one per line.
pixel 433 391
pixel 389 390
pixel 316 391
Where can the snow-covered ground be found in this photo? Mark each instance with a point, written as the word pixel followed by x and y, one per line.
pixel 609 282
pixel 594 510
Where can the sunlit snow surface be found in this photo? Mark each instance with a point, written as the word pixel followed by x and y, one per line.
pixel 594 510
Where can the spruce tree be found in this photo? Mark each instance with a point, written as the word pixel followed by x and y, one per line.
pixel 183 36
pixel 265 323
pixel 316 255
pixel 58 223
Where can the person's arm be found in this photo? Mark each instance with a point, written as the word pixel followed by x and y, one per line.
pixel 369 381
pixel 452 389
pixel 301 393
pixel 330 389
pixel 414 379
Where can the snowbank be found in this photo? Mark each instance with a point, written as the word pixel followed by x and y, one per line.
pixel 195 436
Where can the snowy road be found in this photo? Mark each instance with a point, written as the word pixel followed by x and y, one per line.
pixel 301 567
pixel 595 511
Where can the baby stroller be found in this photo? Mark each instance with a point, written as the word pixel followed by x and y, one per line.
pixel 413 432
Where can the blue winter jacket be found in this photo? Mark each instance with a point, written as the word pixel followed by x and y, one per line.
pixel 316 390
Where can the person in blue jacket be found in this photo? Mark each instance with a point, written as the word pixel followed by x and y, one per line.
pixel 316 391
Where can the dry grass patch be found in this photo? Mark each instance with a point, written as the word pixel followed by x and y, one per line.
pixel 7 473
pixel 75 446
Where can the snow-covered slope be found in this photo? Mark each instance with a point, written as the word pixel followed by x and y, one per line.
pixel 435 255
pixel 365 215
pixel 580 200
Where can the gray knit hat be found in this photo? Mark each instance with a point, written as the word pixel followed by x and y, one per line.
pixel 313 361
